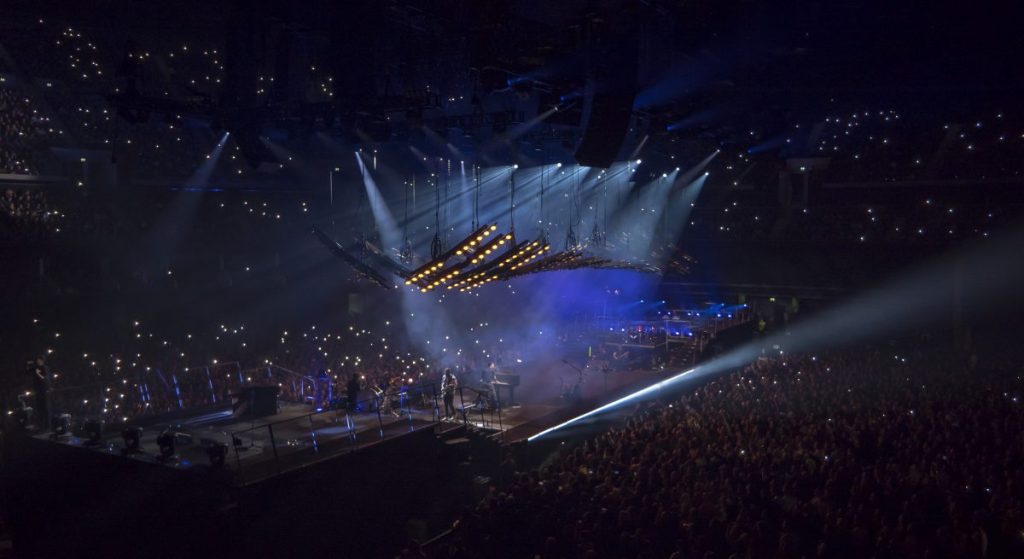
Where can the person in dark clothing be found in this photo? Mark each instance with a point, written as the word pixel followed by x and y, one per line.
pixel 352 388
pixel 448 385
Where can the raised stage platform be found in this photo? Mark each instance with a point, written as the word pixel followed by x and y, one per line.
pixel 296 436
pixel 374 477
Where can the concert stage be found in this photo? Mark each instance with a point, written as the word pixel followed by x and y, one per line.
pixel 351 468
pixel 508 405
pixel 297 435
pixel 257 448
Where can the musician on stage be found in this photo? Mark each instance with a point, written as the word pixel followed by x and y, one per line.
pixel 384 394
pixel 487 373
pixel 448 385
pixel 393 393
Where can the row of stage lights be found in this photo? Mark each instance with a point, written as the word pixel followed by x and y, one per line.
pixel 490 247
pixel 480 278
pixel 432 275
pixel 473 248
pixel 532 257
pixel 424 274
pixel 521 252
pixel 475 238
pixel 443 279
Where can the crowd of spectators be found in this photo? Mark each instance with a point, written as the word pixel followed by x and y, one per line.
pixel 184 69
pixel 75 67
pixel 927 219
pixel 171 150
pixel 881 146
pixel 873 452
pixel 163 65
pixel 26 215
pixel 66 53
pixel 731 222
pixel 23 131
pixel 155 376
pixel 887 146
pixel 75 70
pixel 90 118
pixel 93 243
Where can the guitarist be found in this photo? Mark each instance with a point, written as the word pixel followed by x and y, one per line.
pixel 448 385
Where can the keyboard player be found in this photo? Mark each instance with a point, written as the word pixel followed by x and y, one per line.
pixel 509 382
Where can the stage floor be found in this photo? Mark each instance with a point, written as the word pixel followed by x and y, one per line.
pixel 262 447
pixel 295 436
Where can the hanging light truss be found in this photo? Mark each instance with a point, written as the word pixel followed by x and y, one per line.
pixel 487 255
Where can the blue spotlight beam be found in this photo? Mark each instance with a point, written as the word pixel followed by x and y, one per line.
pixel 389 231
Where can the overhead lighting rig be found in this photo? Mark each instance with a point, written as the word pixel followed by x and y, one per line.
pixel 475 262
pixel 484 251
pixel 470 250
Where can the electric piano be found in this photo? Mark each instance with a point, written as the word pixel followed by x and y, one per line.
pixel 508 381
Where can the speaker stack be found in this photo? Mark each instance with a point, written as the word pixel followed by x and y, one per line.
pixel 610 92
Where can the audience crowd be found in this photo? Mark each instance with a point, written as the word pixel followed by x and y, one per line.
pixel 874 452
pixel 155 375
pixel 23 131
pixel 880 146
pixel 26 215
pixel 74 69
